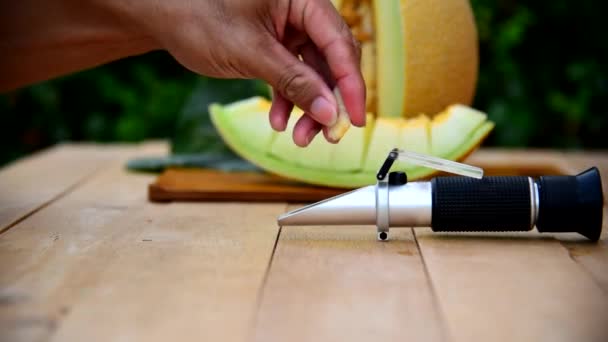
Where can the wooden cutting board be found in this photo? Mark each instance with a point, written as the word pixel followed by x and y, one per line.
pixel 180 184
pixel 211 185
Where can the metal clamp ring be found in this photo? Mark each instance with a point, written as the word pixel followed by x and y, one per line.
pixel 382 210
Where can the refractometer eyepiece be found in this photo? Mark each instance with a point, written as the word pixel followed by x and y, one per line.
pixel 571 204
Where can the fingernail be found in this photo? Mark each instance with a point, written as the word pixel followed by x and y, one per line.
pixel 323 111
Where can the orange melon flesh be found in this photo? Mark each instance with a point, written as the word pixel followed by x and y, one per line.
pixel 355 160
pixel 418 56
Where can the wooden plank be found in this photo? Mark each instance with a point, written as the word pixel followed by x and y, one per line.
pixel 593 257
pixel 104 264
pixel 340 284
pixel 32 182
pixel 513 287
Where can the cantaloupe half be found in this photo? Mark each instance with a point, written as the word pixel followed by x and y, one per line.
pixel 418 56
pixel 352 163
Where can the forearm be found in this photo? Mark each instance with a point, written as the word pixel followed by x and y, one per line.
pixel 43 39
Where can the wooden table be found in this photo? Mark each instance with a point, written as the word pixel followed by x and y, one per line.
pixel 85 257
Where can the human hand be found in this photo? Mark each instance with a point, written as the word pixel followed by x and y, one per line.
pixel 262 39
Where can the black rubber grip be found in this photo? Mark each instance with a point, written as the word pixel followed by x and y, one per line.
pixel 491 204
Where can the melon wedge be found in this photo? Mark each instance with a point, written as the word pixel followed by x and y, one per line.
pixel 355 160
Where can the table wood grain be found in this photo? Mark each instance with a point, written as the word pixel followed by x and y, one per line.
pixel 85 257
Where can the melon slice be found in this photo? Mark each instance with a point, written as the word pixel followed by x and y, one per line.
pixel 355 161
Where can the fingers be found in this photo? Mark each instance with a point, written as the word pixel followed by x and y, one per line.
pixel 331 57
pixel 313 57
pixel 298 44
pixel 296 82
pixel 279 111
pixel 305 130
pixel 328 31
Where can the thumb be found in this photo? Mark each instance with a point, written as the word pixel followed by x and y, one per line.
pixel 297 82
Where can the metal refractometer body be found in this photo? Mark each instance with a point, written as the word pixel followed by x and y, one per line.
pixel 556 204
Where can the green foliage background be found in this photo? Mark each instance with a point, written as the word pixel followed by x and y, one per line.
pixel 543 80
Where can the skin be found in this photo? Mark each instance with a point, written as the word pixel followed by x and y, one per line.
pixel 259 39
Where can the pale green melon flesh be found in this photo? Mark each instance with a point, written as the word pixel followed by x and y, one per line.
pixel 390 54
pixel 249 114
pixel 282 146
pixel 472 141
pixel 449 133
pixel 383 139
pixel 233 135
pixel 415 137
pixel 343 157
pixel 259 132
pixel 317 155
